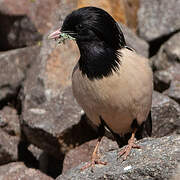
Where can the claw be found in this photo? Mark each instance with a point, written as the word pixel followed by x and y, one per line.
pixel 127 149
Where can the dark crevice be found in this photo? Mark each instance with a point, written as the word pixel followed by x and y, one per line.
pixel 17 32
pixel 46 163
pixel 11 99
pixel 50 164
pixel 160 86
pixel 26 156
pixel 79 134
pixel 155 45
pixel 50 161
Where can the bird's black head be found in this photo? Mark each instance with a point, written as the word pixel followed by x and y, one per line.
pixel 91 24
pixel 98 37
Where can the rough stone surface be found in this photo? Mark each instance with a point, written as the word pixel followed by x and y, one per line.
pixel 41 12
pixel 133 41
pixel 17 170
pixel 49 108
pixel 174 91
pixel 9 121
pixel 157 18
pixel 8 148
pixel 157 159
pixel 176 175
pixel 163 78
pixel 14 65
pixel 169 53
pixel 122 11
pixel 83 153
pixel 17 32
pixel 165 115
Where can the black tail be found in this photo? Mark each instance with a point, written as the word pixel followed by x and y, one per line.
pixel 148 124
pixel 145 129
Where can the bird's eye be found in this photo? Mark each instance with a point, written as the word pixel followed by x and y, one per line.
pixel 79 27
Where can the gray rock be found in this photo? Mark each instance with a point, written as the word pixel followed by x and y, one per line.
pixel 133 41
pixel 51 118
pixel 157 18
pixel 48 124
pixel 174 91
pixel 9 135
pixel 18 170
pixel 157 159
pixel 9 121
pixel 169 54
pixel 14 65
pixel 167 66
pixel 176 175
pixel 8 148
pixel 163 78
pixel 165 115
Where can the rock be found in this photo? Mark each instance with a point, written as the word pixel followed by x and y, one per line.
pixel 45 98
pixel 163 78
pixel 158 18
pixel 14 65
pixel 51 118
pixel 169 54
pixel 176 176
pixel 174 91
pixel 8 148
pixel 18 170
pixel 165 116
pixel 133 41
pixel 83 153
pixel 122 11
pixel 9 121
pixel 9 135
pixel 41 12
pixel 35 151
pixel 157 159
pixel 17 32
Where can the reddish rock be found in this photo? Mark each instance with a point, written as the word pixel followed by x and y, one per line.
pixel 83 153
pixel 122 11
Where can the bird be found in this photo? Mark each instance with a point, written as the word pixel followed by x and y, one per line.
pixel 111 82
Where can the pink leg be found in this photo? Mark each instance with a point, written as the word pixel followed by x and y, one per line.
pixel 95 157
pixel 127 149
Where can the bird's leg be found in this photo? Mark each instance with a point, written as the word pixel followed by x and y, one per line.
pixel 131 144
pixel 95 157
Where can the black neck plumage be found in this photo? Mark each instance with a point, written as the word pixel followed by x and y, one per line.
pixel 98 61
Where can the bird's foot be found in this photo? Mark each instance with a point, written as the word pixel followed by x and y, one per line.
pixel 94 160
pixel 127 149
